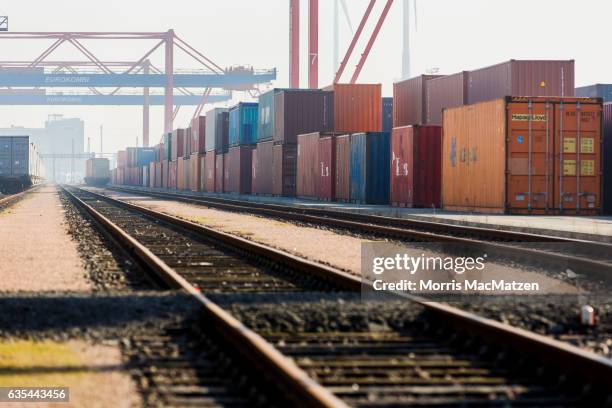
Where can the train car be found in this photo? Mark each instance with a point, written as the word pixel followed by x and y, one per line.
pixel 20 164
pixel 97 172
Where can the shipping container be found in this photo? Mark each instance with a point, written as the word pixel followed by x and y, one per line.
pixel 265 115
pixel 596 91
pixel 209 174
pixel 202 186
pixel 217 130
pixel 97 168
pixel 238 170
pixel 178 143
pixel 20 164
pixel 166 174
pixel 370 158
pixel 194 171
pixel 253 171
pixel 182 174
pixel 343 168
pixel 327 168
pixel 198 134
pixel 264 168
pixel 445 92
pixel 307 177
pixel 145 175
pixel 357 107
pixel 167 155
pixel 416 167
pixel 172 175
pixel 121 158
pixel 522 155
pixel 300 111
pixel 152 174
pixel 187 143
pixel 144 156
pixel 219 173
pixel 243 124
pixel 521 77
pixel 387 114
pixel 284 161
pixel 606 158
pixel 410 101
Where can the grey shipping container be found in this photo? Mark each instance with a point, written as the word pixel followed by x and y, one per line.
pixel 410 101
pixel 445 92
pixel 302 111
pixel 264 168
pixel 596 91
pixel 217 130
pixel 522 77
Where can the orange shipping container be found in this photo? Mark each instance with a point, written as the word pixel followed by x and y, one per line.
pixel 357 107
pixel 522 155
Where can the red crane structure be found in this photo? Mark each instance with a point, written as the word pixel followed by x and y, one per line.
pixel 313 42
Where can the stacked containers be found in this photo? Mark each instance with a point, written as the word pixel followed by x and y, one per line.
pixel 343 168
pixel 527 77
pixel 410 101
pixel 178 144
pixel 596 91
pixel 172 176
pixel 121 159
pixel 167 150
pixel 217 130
pixel 237 170
pixel 307 178
pixel 606 158
pixel 263 169
pixel 209 173
pixel 166 174
pixel 369 182
pixel 521 155
pixel 445 92
pixel 195 171
pixel 182 174
pixel 253 171
pixel 327 168
pixel 265 115
pixel 296 111
pixel 152 175
pixel 357 107
pixel 158 175
pixel 243 124
pixel 387 114
pixel 416 168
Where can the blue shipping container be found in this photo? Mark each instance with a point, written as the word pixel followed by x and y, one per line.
pixel 370 161
pixel 144 156
pixel 387 114
pixel 243 124
pixel 594 91
pixel 265 121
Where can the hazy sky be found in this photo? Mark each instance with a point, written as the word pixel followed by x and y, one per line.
pixel 452 36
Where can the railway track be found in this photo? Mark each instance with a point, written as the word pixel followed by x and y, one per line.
pixel 14 198
pixel 586 258
pixel 434 355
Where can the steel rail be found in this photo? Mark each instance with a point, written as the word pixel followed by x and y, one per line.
pixel 11 199
pixel 396 227
pixel 595 368
pixel 249 343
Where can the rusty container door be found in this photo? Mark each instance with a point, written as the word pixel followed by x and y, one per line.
pixel 357 107
pixel 402 174
pixel 343 168
pixel 578 157
pixel 307 178
pixel 327 170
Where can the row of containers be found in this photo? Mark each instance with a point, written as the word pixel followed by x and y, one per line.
pixel 455 142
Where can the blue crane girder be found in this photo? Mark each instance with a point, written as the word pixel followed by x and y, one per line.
pixel 200 80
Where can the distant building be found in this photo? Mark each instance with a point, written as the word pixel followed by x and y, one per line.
pixel 59 136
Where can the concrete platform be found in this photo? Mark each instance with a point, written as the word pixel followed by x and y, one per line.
pixel 36 252
pixel 587 228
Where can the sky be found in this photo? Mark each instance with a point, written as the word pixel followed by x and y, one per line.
pixel 450 36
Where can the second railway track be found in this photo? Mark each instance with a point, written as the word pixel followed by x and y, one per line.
pixel 433 354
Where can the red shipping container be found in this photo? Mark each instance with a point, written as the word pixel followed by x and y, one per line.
pixel 284 160
pixel 445 92
pixel 172 170
pixel 238 170
pixel 165 173
pixel 254 171
pixel 209 172
pixel 410 101
pixel 343 168
pixel 152 174
pixel 194 171
pixel 181 173
pixel 177 148
pixel 198 134
pixel 219 173
pixel 416 166
pixel 307 178
pixel 522 77
pixel 121 158
pixel 357 107
pixel 264 168
pixel 327 169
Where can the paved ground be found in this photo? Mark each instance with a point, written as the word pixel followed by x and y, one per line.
pixel 37 253
pixel 328 247
pixel 93 373
pixel 599 228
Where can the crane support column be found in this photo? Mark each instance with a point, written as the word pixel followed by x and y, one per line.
pixel 313 44
pixel 169 71
pixel 145 108
pixel 294 43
